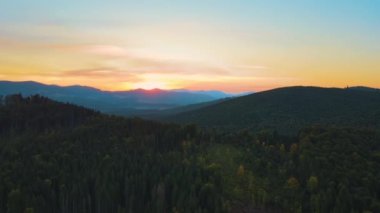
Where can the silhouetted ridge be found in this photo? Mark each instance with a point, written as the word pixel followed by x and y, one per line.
pixel 289 109
pixel 118 102
pixel 19 114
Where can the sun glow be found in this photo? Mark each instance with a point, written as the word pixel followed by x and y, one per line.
pixel 212 47
pixel 148 85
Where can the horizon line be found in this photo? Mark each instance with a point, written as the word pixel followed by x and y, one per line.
pixel 185 89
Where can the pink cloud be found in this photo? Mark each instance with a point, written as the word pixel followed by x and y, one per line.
pixel 102 74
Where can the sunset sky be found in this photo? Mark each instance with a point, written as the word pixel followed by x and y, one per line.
pixel 233 46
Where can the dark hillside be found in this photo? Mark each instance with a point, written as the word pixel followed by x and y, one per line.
pixel 62 158
pixel 287 110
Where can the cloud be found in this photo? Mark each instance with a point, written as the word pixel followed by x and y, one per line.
pixel 130 65
pixel 107 74
pixel 139 61
pixel 252 67
pixel 107 50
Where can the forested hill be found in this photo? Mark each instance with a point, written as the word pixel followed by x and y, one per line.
pixel 60 158
pixel 37 113
pixel 287 110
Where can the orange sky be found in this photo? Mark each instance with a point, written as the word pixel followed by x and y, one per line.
pixel 215 46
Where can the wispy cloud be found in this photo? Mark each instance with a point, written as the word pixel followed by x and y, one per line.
pixel 138 61
pixel 102 74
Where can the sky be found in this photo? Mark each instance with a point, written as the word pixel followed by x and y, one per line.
pixel 234 46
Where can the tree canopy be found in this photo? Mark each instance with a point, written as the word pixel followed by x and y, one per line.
pixel 58 157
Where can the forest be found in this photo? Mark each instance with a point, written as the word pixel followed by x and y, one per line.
pixel 288 110
pixel 60 158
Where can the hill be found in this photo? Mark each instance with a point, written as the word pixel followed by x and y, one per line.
pixel 37 113
pixel 160 114
pixel 59 157
pixel 361 88
pixel 289 109
pixel 118 102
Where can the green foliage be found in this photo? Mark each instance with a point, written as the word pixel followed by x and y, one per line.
pixel 312 184
pixel 292 183
pixel 289 110
pixel 62 158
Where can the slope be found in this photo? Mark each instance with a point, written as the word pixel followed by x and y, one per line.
pixel 289 109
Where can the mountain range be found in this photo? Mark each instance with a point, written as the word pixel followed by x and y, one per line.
pixel 285 110
pixel 130 102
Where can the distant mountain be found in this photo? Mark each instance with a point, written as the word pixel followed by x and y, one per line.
pixel 159 114
pixel 361 88
pixel 213 93
pixel 120 102
pixel 289 109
